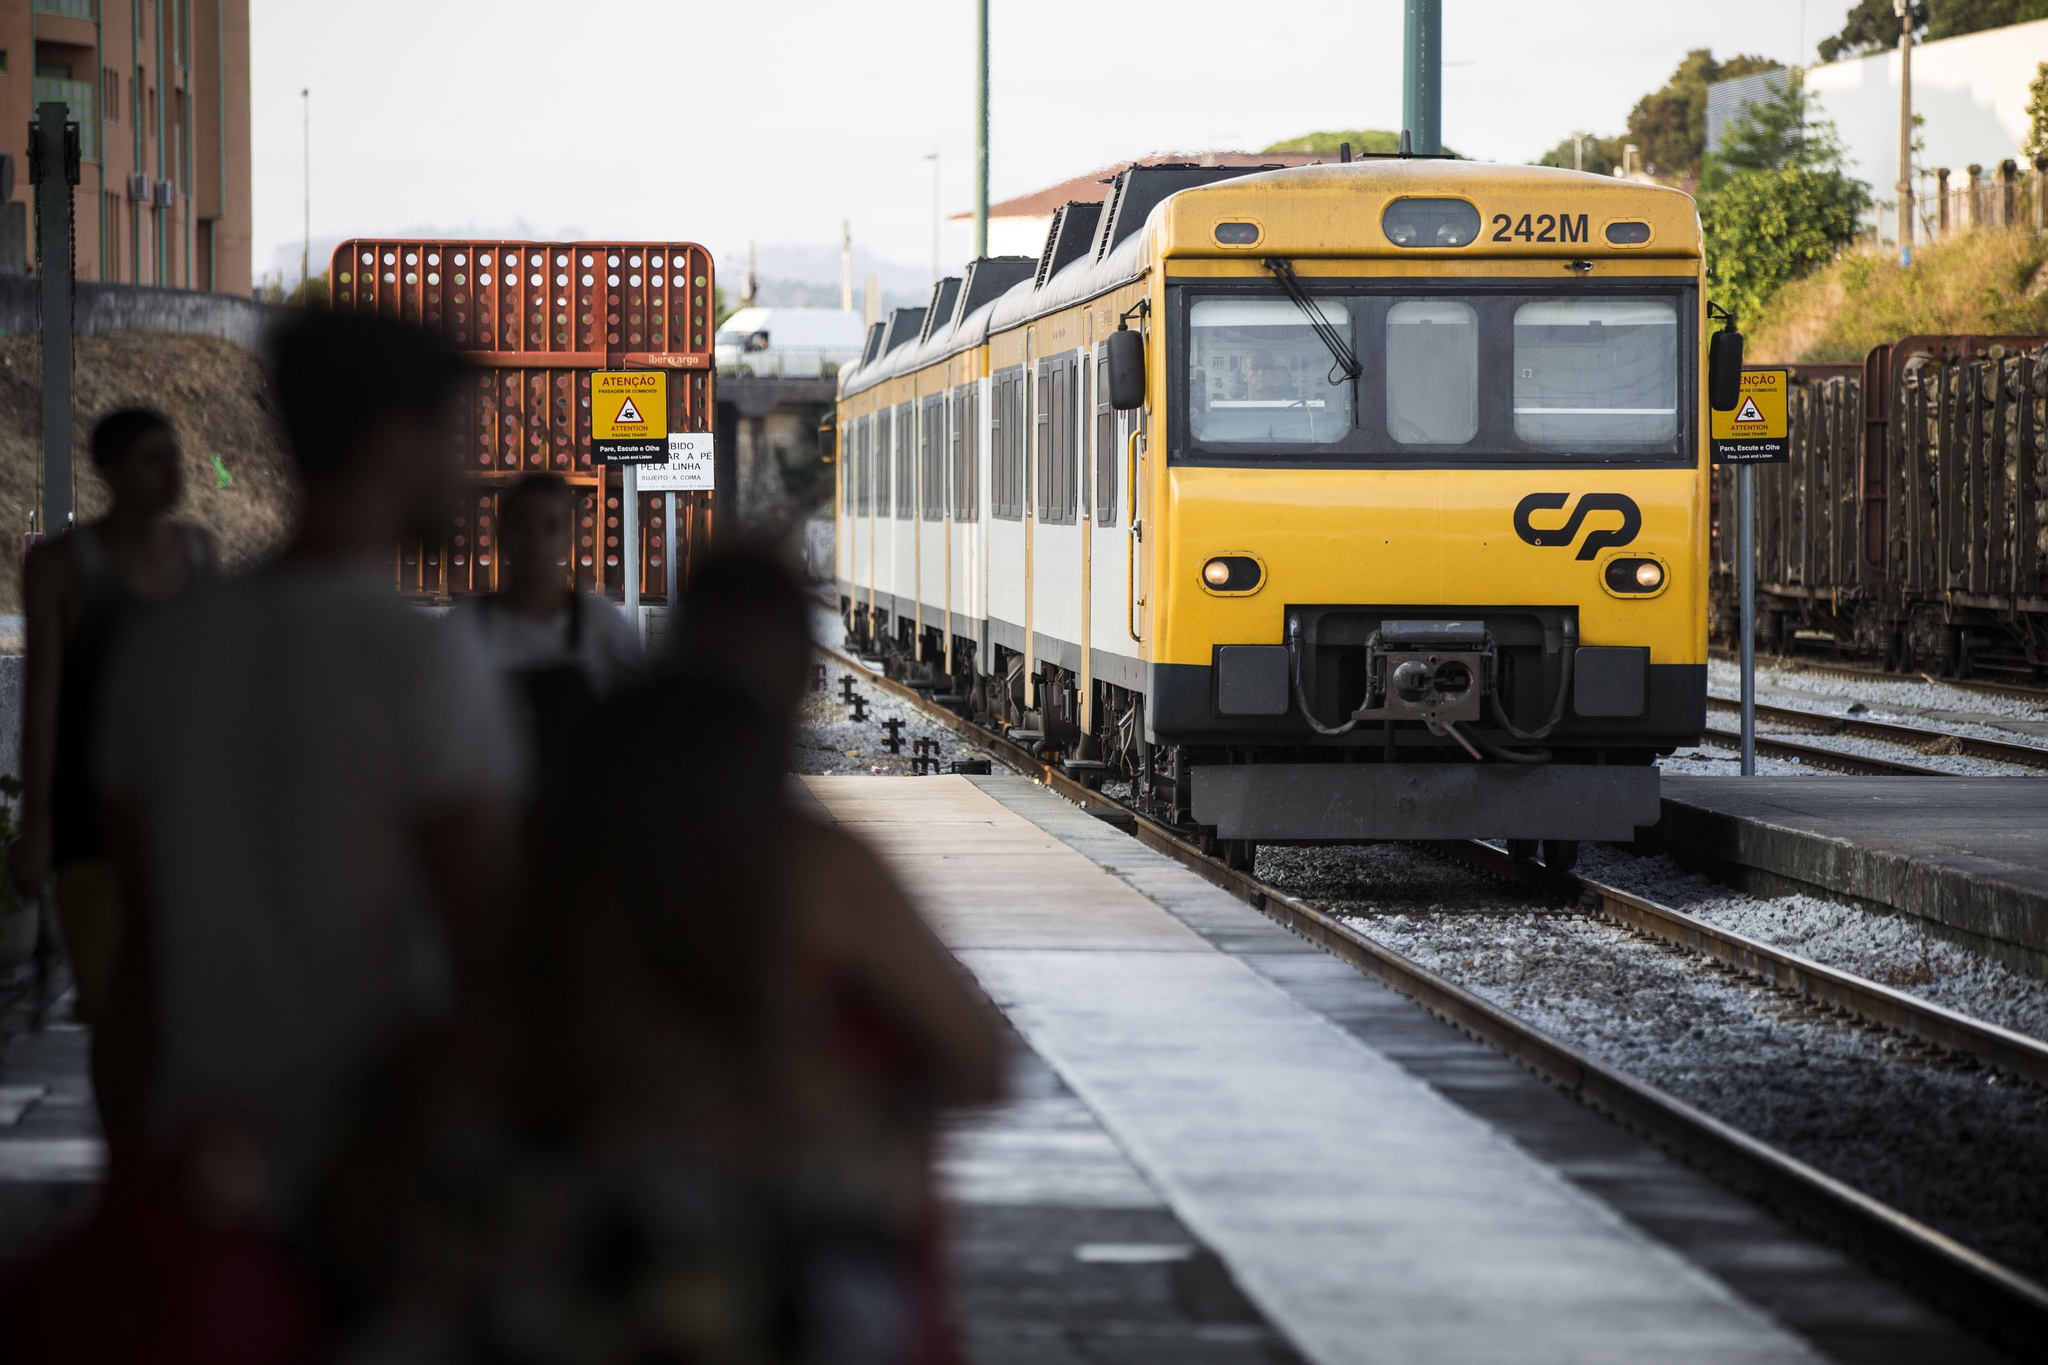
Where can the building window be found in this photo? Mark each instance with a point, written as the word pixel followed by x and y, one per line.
pixel 110 268
pixel 111 98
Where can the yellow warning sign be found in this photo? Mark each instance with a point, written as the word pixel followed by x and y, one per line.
pixel 1754 430
pixel 629 416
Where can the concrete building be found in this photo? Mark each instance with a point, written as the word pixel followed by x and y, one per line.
pixel 1970 94
pixel 160 91
pixel 1017 227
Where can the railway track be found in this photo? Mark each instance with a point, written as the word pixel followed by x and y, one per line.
pixel 1860 673
pixel 1993 1299
pixel 1910 736
pixel 1814 756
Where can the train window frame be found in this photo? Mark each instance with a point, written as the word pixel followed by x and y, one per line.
pixel 965 452
pixel 903 427
pixel 1008 486
pixel 1107 454
pixel 1367 297
pixel 931 470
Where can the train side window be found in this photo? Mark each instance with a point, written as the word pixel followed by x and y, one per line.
pixel 1007 436
pixel 1106 452
pixel 1432 367
pixel 966 490
pixel 885 442
pixel 932 467
pixel 906 462
pixel 1078 468
pixel 1596 373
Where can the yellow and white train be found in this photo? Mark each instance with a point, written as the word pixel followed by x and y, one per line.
pixel 1334 503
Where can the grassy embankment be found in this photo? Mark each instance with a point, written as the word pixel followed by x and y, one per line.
pixel 214 392
pixel 1984 282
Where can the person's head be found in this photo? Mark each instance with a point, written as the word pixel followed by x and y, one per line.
pixel 534 517
pixel 136 452
pixel 368 406
pixel 746 623
pixel 1263 377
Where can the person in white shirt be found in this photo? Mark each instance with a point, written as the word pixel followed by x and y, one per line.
pixel 309 786
pixel 562 651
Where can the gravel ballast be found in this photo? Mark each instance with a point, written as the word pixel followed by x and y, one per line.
pixel 1957 1148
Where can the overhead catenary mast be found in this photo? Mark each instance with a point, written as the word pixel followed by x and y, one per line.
pixel 981 128
pixel 1422 71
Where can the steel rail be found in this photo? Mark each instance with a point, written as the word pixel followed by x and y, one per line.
pixel 2003 1050
pixel 1911 736
pixel 1799 663
pixel 1813 756
pixel 1990 1298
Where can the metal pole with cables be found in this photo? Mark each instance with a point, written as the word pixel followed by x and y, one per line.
pixel 980 128
pixel 1422 77
pixel 1745 559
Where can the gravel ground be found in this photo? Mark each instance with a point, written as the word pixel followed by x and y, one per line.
pixel 1956 1148
pixel 1708 761
pixel 1888 949
pixel 829 740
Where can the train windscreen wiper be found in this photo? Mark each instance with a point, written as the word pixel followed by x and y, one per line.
pixel 1346 360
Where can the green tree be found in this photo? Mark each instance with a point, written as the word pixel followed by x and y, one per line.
pixel 1364 141
pixel 1768 134
pixel 1670 124
pixel 1377 140
pixel 1600 155
pixel 2036 144
pixel 1873 26
pixel 1765 229
pixel 1777 202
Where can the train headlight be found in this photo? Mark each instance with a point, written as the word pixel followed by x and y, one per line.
pixel 1634 576
pixel 1233 575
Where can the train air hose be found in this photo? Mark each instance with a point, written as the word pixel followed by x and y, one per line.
pixel 1471 743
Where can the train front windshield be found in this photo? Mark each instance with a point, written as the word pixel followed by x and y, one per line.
pixel 1442 375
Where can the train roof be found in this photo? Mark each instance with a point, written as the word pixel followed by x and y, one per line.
pixel 1296 226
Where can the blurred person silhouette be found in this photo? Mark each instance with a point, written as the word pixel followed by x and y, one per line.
pixel 560 648
pixel 736 1036
pixel 81 591
pixel 307 784
pixel 885 1030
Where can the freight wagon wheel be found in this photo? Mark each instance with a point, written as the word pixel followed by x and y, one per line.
pixel 1560 855
pixel 1237 854
pixel 1522 850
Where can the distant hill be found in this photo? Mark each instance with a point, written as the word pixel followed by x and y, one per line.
pixel 1374 141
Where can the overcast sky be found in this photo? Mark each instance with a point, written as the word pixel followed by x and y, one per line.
pixel 775 119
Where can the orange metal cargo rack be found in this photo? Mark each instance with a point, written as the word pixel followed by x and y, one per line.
pixel 536 319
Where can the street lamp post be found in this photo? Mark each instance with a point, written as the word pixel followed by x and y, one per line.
pixel 1904 9
pixel 306 167
pixel 933 157
pixel 981 128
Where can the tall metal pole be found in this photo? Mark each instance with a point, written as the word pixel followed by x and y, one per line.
pixel 980 128
pixel 934 159
pixel 306 166
pixel 53 250
pixel 1745 560
pixel 1904 9
pixel 629 539
pixel 1422 77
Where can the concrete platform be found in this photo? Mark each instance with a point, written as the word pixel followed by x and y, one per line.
pixel 1380 1187
pixel 1967 854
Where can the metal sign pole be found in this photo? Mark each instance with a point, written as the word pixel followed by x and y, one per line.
pixel 53 255
pixel 1745 559
pixel 671 540
pixel 629 539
